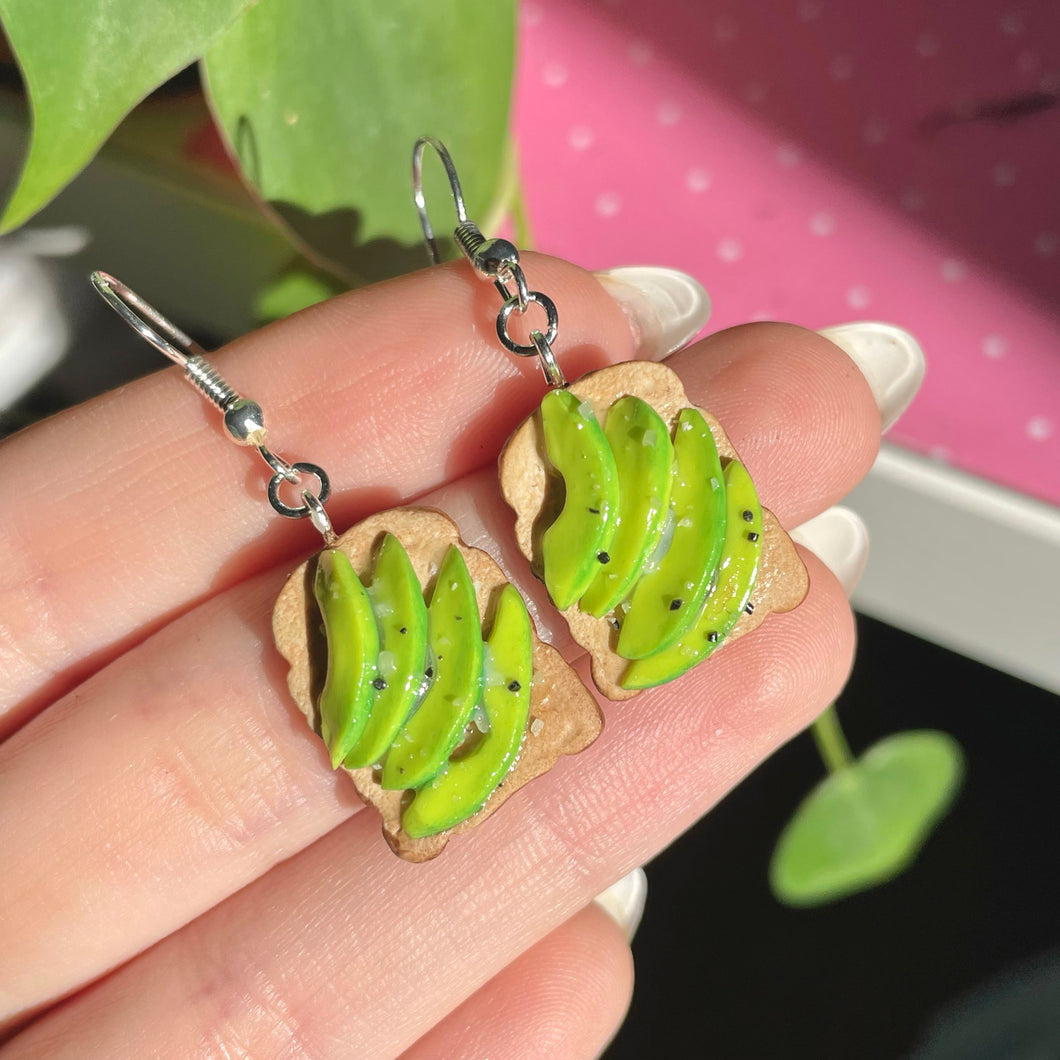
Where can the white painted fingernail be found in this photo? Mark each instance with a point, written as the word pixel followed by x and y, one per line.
pixel 839 538
pixel 889 358
pixel 624 901
pixel 666 308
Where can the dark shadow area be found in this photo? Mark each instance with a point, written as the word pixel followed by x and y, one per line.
pixel 725 972
pixel 333 240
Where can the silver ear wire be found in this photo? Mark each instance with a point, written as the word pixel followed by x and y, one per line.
pixel 493 259
pixel 243 419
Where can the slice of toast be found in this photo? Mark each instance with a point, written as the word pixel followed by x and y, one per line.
pixel 564 716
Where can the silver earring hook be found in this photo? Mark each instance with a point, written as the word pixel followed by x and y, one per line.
pixel 144 319
pixel 417 189
pixel 494 259
pixel 244 420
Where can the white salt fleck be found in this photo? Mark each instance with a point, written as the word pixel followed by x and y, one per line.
pixel 649 438
pixel 586 409
pixel 536 726
pixel 686 522
pixel 387 663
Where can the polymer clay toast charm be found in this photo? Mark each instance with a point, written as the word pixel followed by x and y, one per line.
pixel 634 509
pixel 418 662
pixel 631 504
pixel 409 652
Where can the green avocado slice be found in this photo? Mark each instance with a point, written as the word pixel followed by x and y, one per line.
pixel 643 454
pixel 736 578
pixel 454 636
pixel 464 785
pixel 353 644
pixel 401 617
pixel 664 603
pixel 575 545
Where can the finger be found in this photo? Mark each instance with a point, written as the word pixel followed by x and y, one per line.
pixel 564 998
pixel 224 753
pixel 344 943
pixel 392 390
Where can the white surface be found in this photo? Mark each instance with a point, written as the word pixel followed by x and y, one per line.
pixel 964 563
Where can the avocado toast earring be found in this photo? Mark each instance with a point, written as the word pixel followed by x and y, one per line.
pixel 631 503
pixel 409 651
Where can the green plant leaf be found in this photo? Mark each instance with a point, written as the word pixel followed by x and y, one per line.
pixel 865 823
pixel 86 64
pixel 321 105
pixel 299 286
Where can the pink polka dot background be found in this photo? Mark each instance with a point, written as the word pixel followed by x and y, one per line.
pixel 823 161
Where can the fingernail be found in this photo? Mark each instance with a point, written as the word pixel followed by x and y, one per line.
pixel 889 358
pixel 839 538
pixel 666 308
pixel 624 901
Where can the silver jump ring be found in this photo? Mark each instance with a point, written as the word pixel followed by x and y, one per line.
pixel 510 306
pixel 515 274
pixel 303 510
pixel 549 366
pixel 280 466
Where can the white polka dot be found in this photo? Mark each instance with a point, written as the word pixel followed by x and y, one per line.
pixel 730 249
pixel 926 45
pixel 808 10
pixel 640 53
pixel 994 346
pixel 822 223
pixel 858 297
pixel 581 137
pixel 554 75
pixel 1045 244
pixel 1012 23
pixel 1039 428
pixel 841 68
pixel 1027 62
pixel 789 155
pixel 532 14
pixel 953 270
pixel 913 200
pixel 726 29
pixel 608 204
pixel 874 131
pixel 698 180
pixel 1003 174
pixel 756 93
pixel 669 113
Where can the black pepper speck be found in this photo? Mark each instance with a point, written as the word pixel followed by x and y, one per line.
pixel 752 536
pixel 675 605
pixel 514 686
pixel 713 637
pixel 379 684
pixel 748 515
pixel 604 557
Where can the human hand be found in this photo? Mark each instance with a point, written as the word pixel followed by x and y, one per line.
pixel 162 802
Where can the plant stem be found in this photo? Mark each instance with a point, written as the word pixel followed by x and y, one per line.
pixel 524 236
pixel 831 743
